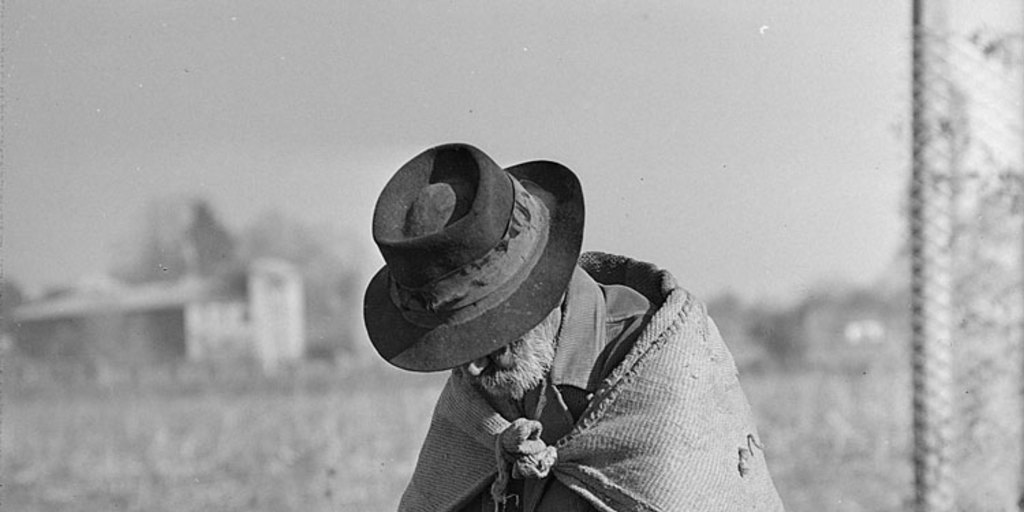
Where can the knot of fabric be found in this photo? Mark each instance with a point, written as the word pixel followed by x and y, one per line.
pixel 520 453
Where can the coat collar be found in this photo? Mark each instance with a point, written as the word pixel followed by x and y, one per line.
pixel 582 335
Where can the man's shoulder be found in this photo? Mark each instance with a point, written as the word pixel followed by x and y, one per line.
pixel 653 283
pixel 647 300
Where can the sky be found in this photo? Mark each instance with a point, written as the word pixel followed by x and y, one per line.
pixel 758 147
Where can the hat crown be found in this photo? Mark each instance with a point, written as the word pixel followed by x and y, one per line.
pixel 446 207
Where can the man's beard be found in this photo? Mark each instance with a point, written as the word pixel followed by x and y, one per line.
pixel 522 365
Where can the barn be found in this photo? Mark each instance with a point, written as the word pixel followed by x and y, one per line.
pixel 256 314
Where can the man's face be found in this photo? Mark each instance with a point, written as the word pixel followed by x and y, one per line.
pixel 513 370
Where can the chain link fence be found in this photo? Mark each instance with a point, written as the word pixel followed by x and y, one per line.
pixel 967 241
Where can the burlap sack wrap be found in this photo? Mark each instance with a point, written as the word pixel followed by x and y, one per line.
pixel 669 429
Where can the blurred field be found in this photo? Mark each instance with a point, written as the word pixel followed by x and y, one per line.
pixel 837 440
pixel 347 439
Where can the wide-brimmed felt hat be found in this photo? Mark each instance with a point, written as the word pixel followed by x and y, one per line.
pixel 476 255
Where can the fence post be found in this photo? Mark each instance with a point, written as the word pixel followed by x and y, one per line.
pixel 931 266
pixel 968 260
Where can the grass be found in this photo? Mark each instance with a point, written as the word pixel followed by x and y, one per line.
pixel 836 441
pixel 348 440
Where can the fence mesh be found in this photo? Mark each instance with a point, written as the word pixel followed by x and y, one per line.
pixel 967 240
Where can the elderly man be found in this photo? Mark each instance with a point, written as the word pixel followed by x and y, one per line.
pixel 577 383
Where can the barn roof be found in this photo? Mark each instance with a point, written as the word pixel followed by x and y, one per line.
pixel 128 298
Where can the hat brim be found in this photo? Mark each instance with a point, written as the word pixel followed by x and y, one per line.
pixel 452 344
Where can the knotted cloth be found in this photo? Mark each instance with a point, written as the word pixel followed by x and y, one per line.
pixel 665 431
pixel 519 446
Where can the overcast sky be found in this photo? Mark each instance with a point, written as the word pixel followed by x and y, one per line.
pixel 752 146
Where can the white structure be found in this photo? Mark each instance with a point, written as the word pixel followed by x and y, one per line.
pixel 276 312
pixel 266 323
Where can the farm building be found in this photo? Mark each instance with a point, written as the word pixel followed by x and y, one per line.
pixel 854 328
pixel 256 314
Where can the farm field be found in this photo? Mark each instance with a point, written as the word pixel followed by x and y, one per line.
pixel 347 439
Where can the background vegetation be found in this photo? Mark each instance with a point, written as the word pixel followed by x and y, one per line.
pixel 329 437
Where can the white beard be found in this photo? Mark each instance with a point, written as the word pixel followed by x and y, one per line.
pixel 522 365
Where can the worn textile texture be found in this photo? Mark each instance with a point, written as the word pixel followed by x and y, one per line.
pixel 669 429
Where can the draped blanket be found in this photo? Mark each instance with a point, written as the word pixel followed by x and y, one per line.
pixel 669 429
